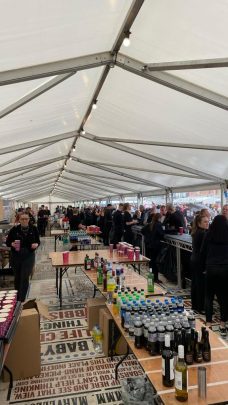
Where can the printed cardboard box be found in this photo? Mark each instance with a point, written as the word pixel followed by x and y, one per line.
pixel 111 334
pixel 93 307
pixel 23 357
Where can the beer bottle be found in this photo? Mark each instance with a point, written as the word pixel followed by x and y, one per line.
pixel 189 349
pixel 198 355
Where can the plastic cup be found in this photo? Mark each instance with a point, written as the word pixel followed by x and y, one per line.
pixel 17 245
pixel 111 248
pixel 65 257
pixel 181 230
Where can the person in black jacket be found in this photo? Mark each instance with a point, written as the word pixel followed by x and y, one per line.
pixel 75 221
pixel 23 260
pixel 128 222
pixel 117 225
pixel 107 223
pixel 199 229
pixel 153 234
pixel 214 256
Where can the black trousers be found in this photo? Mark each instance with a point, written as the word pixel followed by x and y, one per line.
pixel 41 224
pixel 197 287
pixel 106 232
pixel 216 284
pixel 116 238
pixel 152 254
pixel 129 237
pixel 22 266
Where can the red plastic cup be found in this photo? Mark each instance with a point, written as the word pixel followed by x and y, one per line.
pixel 65 257
pixel 181 230
pixel 137 254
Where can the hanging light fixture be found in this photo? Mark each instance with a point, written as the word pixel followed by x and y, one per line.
pixel 74 148
pixel 126 41
pixel 94 106
pixel 82 132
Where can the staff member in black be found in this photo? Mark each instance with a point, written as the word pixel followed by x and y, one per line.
pixel 117 225
pixel 128 222
pixel 23 261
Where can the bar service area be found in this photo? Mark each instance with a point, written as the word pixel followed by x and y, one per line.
pixel 114 202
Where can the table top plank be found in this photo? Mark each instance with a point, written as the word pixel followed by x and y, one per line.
pixel 77 258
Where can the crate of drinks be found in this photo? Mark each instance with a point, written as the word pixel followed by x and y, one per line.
pixel 8 305
pixel 93 229
pixel 80 237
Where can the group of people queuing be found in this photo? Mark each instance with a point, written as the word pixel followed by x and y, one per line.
pixel 209 265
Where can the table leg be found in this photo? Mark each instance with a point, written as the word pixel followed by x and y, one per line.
pixel 10 383
pixel 60 285
pixel 57 279
pixel 178 255
pixel 120 362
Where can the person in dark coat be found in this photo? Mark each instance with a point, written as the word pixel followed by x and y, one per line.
pixel 199 229
pixel 214 256
pixel 153 234
pixel 75 221
pixel 41 221
pixel 128 222
pixel 117 225
pixel 107 223
pixel 23 259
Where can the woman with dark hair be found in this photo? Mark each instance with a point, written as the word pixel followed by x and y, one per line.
pixel 153 234
pixel 128 222
pixel 215 260
pixel 199 229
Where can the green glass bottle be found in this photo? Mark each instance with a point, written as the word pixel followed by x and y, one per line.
pixel 150 282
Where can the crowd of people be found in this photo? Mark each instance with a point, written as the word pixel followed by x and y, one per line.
pixel 209 258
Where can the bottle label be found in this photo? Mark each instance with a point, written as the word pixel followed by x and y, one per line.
pixel 206 356
pixel 138 331
pixel 152 337
pixel 161 337
pixel 171 368
pixel 178 380
pixel 145 332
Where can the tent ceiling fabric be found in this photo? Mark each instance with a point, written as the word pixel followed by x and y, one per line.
pixel 129 106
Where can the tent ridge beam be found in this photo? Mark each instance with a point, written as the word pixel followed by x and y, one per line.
pixel 55 68
pixel 153 158
pixel 37 142
pixel 169 144
pixel 188 64
pixel 173 82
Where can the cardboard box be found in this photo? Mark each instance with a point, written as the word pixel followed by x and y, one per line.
pixel 111 334
pixel 23 357
pixel 93 307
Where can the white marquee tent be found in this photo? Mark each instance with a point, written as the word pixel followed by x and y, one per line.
pixel 161 119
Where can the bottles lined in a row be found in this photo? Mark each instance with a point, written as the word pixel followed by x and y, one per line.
pixel 175 373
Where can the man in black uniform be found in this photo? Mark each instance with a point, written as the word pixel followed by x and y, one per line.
pixel 117 225
pixel 107 223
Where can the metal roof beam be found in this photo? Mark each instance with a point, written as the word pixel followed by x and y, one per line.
pixel 173 82
pixel 23 155
pixel 111 185
pixel 152 158
pixel 188 64
pixel 18 179
pixel 35 93
pixel 107 169
pixel 97 177
pixel 37 142
pixel 55 68
pixel 140 169
pixel 34 166
pixel 166 144
pixel 25 183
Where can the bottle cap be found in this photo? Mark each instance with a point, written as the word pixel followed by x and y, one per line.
pixel 181 351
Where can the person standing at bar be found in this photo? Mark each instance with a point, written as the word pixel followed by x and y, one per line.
pixel 153 234
pixel 23 240
pixel 117 225
pixel 128 222
pixel 199 229
pixel 214 256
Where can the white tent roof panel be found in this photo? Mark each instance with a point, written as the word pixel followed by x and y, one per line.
pixel 178 30
pixel 57 111
pixel 44 31
pixel 132 107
